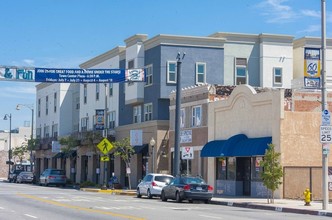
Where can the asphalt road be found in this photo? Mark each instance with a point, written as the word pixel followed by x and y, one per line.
pixel 28 202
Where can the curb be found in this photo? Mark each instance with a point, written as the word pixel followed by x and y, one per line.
pixel 272 208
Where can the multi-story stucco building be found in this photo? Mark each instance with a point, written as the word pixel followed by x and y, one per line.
pixel 144 106
pixel 57 115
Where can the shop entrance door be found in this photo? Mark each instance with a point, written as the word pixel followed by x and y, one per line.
pixel 243 170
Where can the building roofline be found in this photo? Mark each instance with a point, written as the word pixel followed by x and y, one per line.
pixel 103 57
pixel 180 40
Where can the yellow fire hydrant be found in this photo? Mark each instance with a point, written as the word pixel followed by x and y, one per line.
pixel 307 197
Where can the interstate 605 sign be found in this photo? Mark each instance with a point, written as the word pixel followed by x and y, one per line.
pixel 326 134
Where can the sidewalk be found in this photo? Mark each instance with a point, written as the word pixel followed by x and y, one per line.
pixel 280 205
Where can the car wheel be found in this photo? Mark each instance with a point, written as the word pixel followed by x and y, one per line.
pixel 138 194
pixel 207 201
pixel 149 194
pixel 163 197
pixel 178 197
pixel 191 201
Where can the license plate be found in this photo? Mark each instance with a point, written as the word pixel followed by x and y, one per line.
pixel 198 188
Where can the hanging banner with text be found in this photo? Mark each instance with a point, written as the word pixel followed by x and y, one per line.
pixel 100 122
pixel 54 75
pixel 311 68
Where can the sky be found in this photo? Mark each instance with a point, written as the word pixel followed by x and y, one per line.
pixel 66 33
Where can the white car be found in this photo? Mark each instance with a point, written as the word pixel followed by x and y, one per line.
pixel 152 184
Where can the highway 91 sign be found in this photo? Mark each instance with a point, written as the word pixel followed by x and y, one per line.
pixel 326 134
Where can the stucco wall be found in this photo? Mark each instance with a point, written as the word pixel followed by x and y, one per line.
pixel 300 145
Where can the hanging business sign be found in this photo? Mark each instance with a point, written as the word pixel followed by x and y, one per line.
pixel 54 75
pixel 100 121
pixel 311 67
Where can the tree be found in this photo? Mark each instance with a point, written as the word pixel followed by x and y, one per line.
pixel 68 143
pixel 272 171
pixel 124 150
pixel 32 144
pixel 20 152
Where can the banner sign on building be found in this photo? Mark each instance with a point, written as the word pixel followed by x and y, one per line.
pixel 54 75
pixel 56 147
pixel 100 122
pixel 136 137
pixel 311 67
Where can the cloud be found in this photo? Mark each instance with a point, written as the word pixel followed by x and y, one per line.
pixel 29 62
pixel 276 11
pixel 328 17
pixel 18 90
pixel 311 13
pixel 311 29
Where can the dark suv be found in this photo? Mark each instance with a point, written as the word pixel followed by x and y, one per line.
pixel 13 175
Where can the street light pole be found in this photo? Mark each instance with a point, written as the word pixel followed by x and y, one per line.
pixel 10 141
pixel 325 192
pixel 152 143
pixel 104 186
pixel 31 107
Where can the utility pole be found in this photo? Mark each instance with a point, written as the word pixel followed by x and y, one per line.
pixel 176 165
pixel 105 136
pixel 325 192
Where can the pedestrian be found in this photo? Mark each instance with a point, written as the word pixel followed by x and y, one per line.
pixel 113 180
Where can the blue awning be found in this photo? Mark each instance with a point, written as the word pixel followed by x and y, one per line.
pixel 214 149
pixel 141 149
pixel 236 146
pixel 251 147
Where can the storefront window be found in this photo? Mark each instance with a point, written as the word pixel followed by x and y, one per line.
pixel 226 168
pixel 256 168
pixel 231 168
pixel 221 168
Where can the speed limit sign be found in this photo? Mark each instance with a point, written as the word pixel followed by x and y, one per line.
pixel 326 134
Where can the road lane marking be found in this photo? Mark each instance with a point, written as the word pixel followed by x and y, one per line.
pixel 209 216
pixel 79 208
pixel 31 216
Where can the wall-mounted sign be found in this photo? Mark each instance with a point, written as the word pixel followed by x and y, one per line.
pixel 56 147
pixel 185 136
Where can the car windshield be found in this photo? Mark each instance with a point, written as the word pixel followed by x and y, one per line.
pixel 17 171
pixel 193 180
pixel 26 173
pixel 165 179
pixel 57 172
